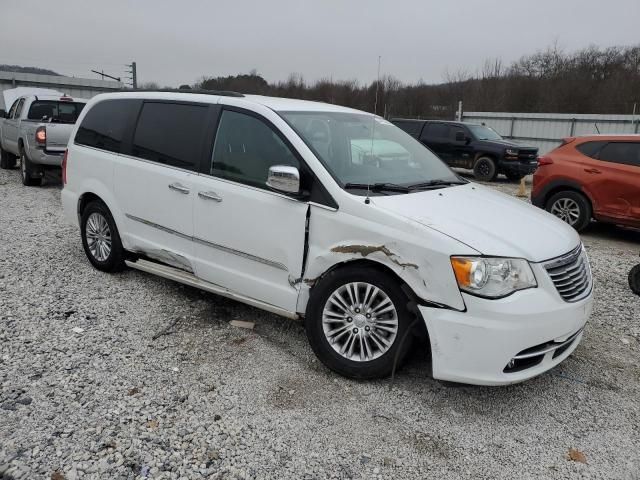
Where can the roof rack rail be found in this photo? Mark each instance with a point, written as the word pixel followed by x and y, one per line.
pixel 220 93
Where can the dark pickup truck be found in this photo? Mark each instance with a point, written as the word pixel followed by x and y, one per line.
pixel 473 146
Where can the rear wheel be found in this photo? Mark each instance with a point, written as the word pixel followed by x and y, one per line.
pixel 100 238
pixel 485 169
pixel 7 160
pixel 571 207
pixel 27 171
pixel 356 321
pixel 634 279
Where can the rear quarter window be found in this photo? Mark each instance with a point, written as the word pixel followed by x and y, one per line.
pixel 104 126
pixel 590 149
pixel 412 128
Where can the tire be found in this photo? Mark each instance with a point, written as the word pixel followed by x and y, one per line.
pixel 634 279
pixel 514 177
pixel 26 171
pixel 360 337
pixel 100 238
pixel 572 207
pixel 7 161
pixel 485 169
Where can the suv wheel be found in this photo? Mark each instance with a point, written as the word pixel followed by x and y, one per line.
pixel 634 279
pixel 100 238
pixel 356 320
pixel 571 207
pixel 485 169
pixel 7 160
pixel 26 171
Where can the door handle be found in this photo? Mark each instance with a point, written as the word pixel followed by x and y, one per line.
pixel 592 170
pixel 210 196
pixel 179 188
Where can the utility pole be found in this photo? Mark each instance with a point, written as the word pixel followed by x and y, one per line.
pixel 134 75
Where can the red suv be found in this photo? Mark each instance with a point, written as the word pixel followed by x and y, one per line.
pixel 595 176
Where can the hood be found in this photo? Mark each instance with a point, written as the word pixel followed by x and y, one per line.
pixel 508 144
pixel 488 221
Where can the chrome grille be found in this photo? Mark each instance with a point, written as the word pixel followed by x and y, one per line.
pixel 571 275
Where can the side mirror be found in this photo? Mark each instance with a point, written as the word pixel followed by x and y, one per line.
pixel 284 178
pixel 3 114
pixel 460 137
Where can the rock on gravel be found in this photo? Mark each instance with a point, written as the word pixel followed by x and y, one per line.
pixel 207 400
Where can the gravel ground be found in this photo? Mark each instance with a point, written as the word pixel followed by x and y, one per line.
pixel 86 392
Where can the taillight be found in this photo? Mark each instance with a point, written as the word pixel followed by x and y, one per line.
pixel 544 161
pixel 64 167
pixel 66 99
pixel 41 135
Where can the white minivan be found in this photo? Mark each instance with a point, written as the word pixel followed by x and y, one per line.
pixel 334 216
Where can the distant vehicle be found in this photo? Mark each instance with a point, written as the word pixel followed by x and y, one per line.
pixel 472 146
pixel 36 130
pixel 591 177
pixel 330 215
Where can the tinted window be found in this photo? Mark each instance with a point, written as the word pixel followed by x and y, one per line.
pixel 170 133
pixel 590 149
pixel 436 130
pixel 412 128
pixel 105 124
pixel 59 112
pixel 246 147
pixel 627 153
pixel 19 108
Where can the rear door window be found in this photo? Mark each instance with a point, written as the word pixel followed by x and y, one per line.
pixel 105 125
pixel 57 112
pixel 171 134
pixel 438 131
pixel 626 153
pixel 412 128
pixel 590 149
pixel 245 148
pixel 19 108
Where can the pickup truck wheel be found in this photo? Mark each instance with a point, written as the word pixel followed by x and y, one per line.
pixel 634 279
pixel 7 160
pixel 485 169
pixel 100 238
pixel 26 171
pixel 357 320
pixel 571 207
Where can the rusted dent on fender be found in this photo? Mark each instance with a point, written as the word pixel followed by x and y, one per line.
pixel 366 250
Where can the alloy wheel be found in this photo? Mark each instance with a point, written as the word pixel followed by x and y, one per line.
pixel 360 321
pixel 566 209
pixel 98 236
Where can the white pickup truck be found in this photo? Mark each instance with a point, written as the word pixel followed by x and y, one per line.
pixel 36 130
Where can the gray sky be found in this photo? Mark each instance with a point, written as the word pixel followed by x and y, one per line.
pixel 177 42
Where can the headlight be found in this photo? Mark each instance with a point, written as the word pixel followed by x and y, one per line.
pixel 512 152
pixel 492 277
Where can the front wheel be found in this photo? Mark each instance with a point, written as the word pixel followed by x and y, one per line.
pixel 100 238
pixel 485 169
pixel 634 279
pixel 357 319
pixel 26 172
pixel 571 207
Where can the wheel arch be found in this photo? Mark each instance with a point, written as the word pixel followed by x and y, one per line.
pixel 558 186
pixel 413 299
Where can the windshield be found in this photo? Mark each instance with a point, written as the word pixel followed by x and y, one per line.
pixel 360 149
pixel 54 111
pixel 484 133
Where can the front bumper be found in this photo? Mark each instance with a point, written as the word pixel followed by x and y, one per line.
pixel 477 346
pixel 519 167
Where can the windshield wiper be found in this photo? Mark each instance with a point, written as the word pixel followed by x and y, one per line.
pixel 379 187
pixel 438 183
